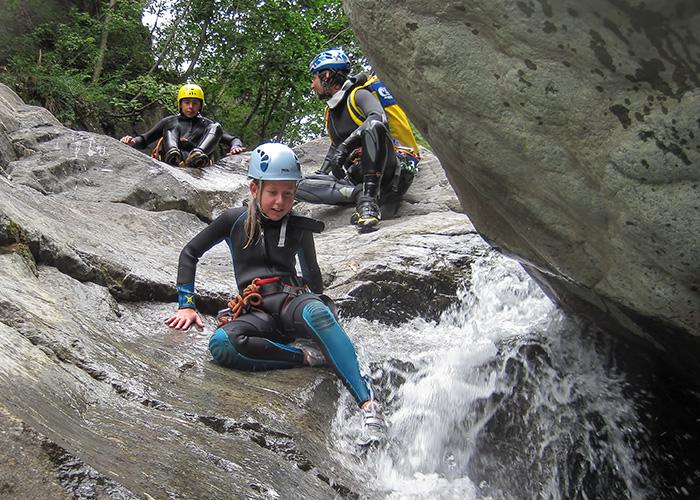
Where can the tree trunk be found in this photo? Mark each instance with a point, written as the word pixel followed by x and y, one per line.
pixel 268 115
pixel 103 43
pixel 166 45
pixel 170 39
pixel 285 118
pixel 228 70
pixel 157 15
pixel 198 52
pixel 254 110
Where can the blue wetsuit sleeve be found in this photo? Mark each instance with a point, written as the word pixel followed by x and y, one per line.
pixel 309 263
pixel 214 233
pixel 141 141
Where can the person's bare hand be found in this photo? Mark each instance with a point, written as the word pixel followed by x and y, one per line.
pixel 183 319
pixel 127 139
pixel 235 150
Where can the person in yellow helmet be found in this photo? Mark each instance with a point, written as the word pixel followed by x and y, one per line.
pixel 188 138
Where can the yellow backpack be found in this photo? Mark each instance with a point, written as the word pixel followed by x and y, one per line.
pixel 399 126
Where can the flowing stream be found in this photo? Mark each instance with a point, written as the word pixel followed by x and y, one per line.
pixel 503 398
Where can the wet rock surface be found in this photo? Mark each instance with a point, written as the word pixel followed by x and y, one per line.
pixel 98 398
pixel 570 134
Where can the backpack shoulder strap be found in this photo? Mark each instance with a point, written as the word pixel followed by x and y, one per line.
pixel 355 112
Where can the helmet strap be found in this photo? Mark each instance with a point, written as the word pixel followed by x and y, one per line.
pixel 333 79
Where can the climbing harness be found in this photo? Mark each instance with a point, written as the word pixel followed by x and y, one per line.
pixel 241 303
pixel 155 152
pixel 252 297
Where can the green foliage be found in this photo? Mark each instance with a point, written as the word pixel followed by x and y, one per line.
pixel 143 92
pixel 250 57
pixel 422 142
pixel 53 64
pixel 253 65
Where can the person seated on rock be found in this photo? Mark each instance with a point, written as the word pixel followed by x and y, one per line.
pixel 373 154
pixel 274 306
pixel 188 138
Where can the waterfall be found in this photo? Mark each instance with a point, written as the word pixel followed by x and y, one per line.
pixel 504 397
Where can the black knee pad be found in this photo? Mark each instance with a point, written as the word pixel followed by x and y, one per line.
pixel 228 343
pixel 253 322
pixel 377 149
pixel 211 139
pixel 170 139
pixel 325 189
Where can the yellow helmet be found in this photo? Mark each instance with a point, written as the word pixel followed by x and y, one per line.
pixel 190 91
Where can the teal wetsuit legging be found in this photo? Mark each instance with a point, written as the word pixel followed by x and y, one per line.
pixel 256 341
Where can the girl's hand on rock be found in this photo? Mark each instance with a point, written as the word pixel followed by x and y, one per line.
pixel 184 318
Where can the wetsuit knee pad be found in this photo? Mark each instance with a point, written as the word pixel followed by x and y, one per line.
pixel 293 312
pixel 211 138
pixel 325 189
pixel 170 139
pixel 377 149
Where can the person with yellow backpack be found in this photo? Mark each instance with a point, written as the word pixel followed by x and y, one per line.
pixel 373 155
pixel 186 139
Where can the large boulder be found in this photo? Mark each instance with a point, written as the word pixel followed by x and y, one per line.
pixel 570 133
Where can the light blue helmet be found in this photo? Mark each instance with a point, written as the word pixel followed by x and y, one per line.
pixel 335 59
pixel 274 162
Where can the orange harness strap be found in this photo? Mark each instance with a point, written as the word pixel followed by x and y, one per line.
pixel 237 305
pixel 155 152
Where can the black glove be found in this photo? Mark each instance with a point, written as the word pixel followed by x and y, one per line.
pixel 338 161
pixel 325 169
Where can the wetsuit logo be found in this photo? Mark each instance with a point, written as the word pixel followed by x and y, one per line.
pixel 384 93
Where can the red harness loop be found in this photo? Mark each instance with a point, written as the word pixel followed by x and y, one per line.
pixel 265 281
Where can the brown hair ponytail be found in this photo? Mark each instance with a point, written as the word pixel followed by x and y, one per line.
pixel 252 222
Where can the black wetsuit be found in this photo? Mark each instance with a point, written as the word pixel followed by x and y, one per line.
pixel 340 125
pixel 258 339
pixel 378 156
pixel 186 134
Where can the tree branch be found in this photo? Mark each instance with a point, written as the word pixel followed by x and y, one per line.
pixel 103 43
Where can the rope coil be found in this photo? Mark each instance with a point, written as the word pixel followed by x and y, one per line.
pixel 240 303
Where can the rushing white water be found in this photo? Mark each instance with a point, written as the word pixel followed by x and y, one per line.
pixel 502 398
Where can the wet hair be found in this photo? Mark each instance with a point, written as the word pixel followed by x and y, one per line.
pixel 252 222
pixel 336 77
pixel 256 215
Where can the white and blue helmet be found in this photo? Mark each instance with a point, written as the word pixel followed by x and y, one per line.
pixel 335 59
pixel 274 162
